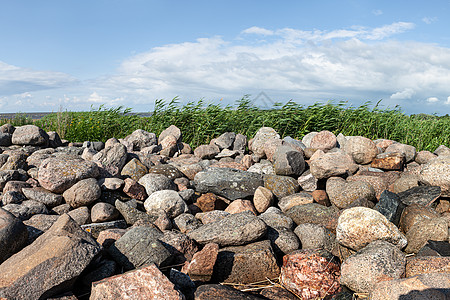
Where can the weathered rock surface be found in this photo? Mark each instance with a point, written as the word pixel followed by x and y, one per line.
pixel 332 164
pixel 83 193
pixel 13 235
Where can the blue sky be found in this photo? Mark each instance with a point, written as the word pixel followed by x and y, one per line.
pixel 70 55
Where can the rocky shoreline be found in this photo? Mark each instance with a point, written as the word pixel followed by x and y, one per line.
pixel 147 217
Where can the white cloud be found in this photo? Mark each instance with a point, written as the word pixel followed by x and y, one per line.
pixel 388 30
pixel 429 20
pixel 448 100
pixel 405 94
pixel 258 30
pixel 432 99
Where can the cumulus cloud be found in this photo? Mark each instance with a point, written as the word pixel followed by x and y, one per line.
pixel 448 100
pixel 405 94
pixel 432 99
pixel 258 30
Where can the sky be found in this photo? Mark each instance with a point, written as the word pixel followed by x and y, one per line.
pixel 77 55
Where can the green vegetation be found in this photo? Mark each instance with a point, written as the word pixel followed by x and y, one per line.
pixel 200 122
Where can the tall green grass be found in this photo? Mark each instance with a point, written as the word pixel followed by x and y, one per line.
pixel 200 122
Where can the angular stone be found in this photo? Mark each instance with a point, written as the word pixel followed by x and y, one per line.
pixel 311 274
pixel 378 183
pixel 236 229
pixel 209 202
pixel 134 190
pixel 156 182
pixel 81 215
pixel 206 151
pixel 132 214
pixel 246 264
pixel 50 265
pixel 180 246
pixel 261 137
pixel 144 283
pixel 307 181
pixel 141 139
pixel 38 224
pixel 390 206
pixel 169 171
pixel 168 201
pixel 108 236
pixel 332 164
pixel 29 135
pixel 12 197
pixel 427 264
pixel 44 196
pixel 378 261
pixel 281 186
pixel 15 161
pixel 361 149
pixel 415 213
pixel 425 286
pixel 288 161
pixel 134 169
pixel 111 160
pixel 323 140
pixel 422 195
pixel 423 230
pixel 60 173
pixel 96 228
pixel 229 183
pixel 223 292
pixel 262 199
pixel 5 139
pixel 13 235
pixel 389 161
pixel 240 205
pixel 274 217
pixel 283 240
pixel 301 198
pixel 314 236
pixel 343 193
pixel 315 214
pixel 202 264
pixel 359 226
pixel 225 140
pixel 26 209
pixel 140 246
pixel 186 222
pixel 435 248
pixel 211 216
pixel 83 193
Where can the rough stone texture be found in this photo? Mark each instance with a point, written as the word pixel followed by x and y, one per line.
pixel 427 264
pixel 229 183
pixel 283 240
pixel 378 183
pixel 108 236
pixel 270 147
pixel 111 160
pixel 324 140
pixel 425 286
pixel 315 214
pixel 144 283
pixel 301 198
pixel 80 215
pixel 38 224
pixel 407 150
pixel 361 149
pixel 83 193
pixel 180 246
pixel 44 196
pixel 223 292
pixel 29 135
pixel 206 151
pixel 281 186
pixel 415 213
pixel 311 274
pixel 225 140
pixel 423 157
pixel 342 193
pixel 389 161
pixel 26 209
pixel 171 130
pixel 426 229
pixel 186 222
pixel 210 202
pixel 313 236
pixel 405 182
pixel 274 217
pixel 168 201
pixel 5 139
pixel 332 164
pixel 134 169
pixel 359 226
pixel 131 214
pixel 15 161
pixel 134 190
pixel 422 195
pixel 211 216
pixel 50 265
pixel 60 173
pixel 261 137
pixel 156 182
pixel 262 199
pixel 201 266
pixel 240 205
pixel 236 229
pixel 390 206
pixel 103 212
pixel 288 161
pixel 141 139
pixel 13 235
pixel 378 261
pixel 139 246
pixel 246 264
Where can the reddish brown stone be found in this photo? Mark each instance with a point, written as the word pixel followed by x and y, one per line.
pixel 415 213
pixel 144 283
pixel 427 264
pixel 383 144
pixel 239 205
pixel 321 197
pixel 247 161
pixel 311 274
pixel 201 266
pixel 378 183
pixel 182 183
pixel 270 147
pixel 389 161
pixel 324 140
pixel 107 237
pixel 134 190
pixel 209 202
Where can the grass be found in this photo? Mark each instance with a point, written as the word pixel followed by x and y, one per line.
pixel 200 122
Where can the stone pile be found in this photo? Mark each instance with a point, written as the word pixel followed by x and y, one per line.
pixel 147 217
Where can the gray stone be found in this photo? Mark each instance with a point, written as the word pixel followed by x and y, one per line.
pixel 211 216
pixel 44 196
pixel 83 193
pixel 342 193
pixel 315 214
pixel 134 169
pixel 294 143
pixel 274 217
pixel 95 228
pixel 156 182
pixel 141 139
pixel 230 183
pixel 288 161
pixel 12 197
pixel 132 214
pixel 332 164
pixel 171 130
pixel 225 140
pixel 361 149
pixel 424 230
pixel 186 222
pixel 29 135
pixel 103 212
pixel 281 186
pixel 263 135
pixel 140 246
pixel 26 209
pixel 8 175
pixel 111 160
pixel 50 265
pixel 307 181
pixel 13 235
pixel 235 229
pixel 390 206
pixel 218 291
pixel 422 195
pixel 5 139
pixel 38 224
pixel 80 215
pixel 283 240
pixel 378 261
pixel 314 236
pixel 168 201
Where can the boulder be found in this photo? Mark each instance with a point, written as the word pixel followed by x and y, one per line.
pixel 83 193
pixel 30 135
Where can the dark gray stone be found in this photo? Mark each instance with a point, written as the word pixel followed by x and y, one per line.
pixel 13 235
pixel 26 209
pixel 44 196
pixel 38 224
pixel 223 292
pixel 140 246
pixel 435 248
pixel 236 229
pixel 132 214
pixel 423 195
pixel 288 162
pixel 5 139
pixel 225 140
pixel 390 206
pixel 230 183
pixel 316 214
